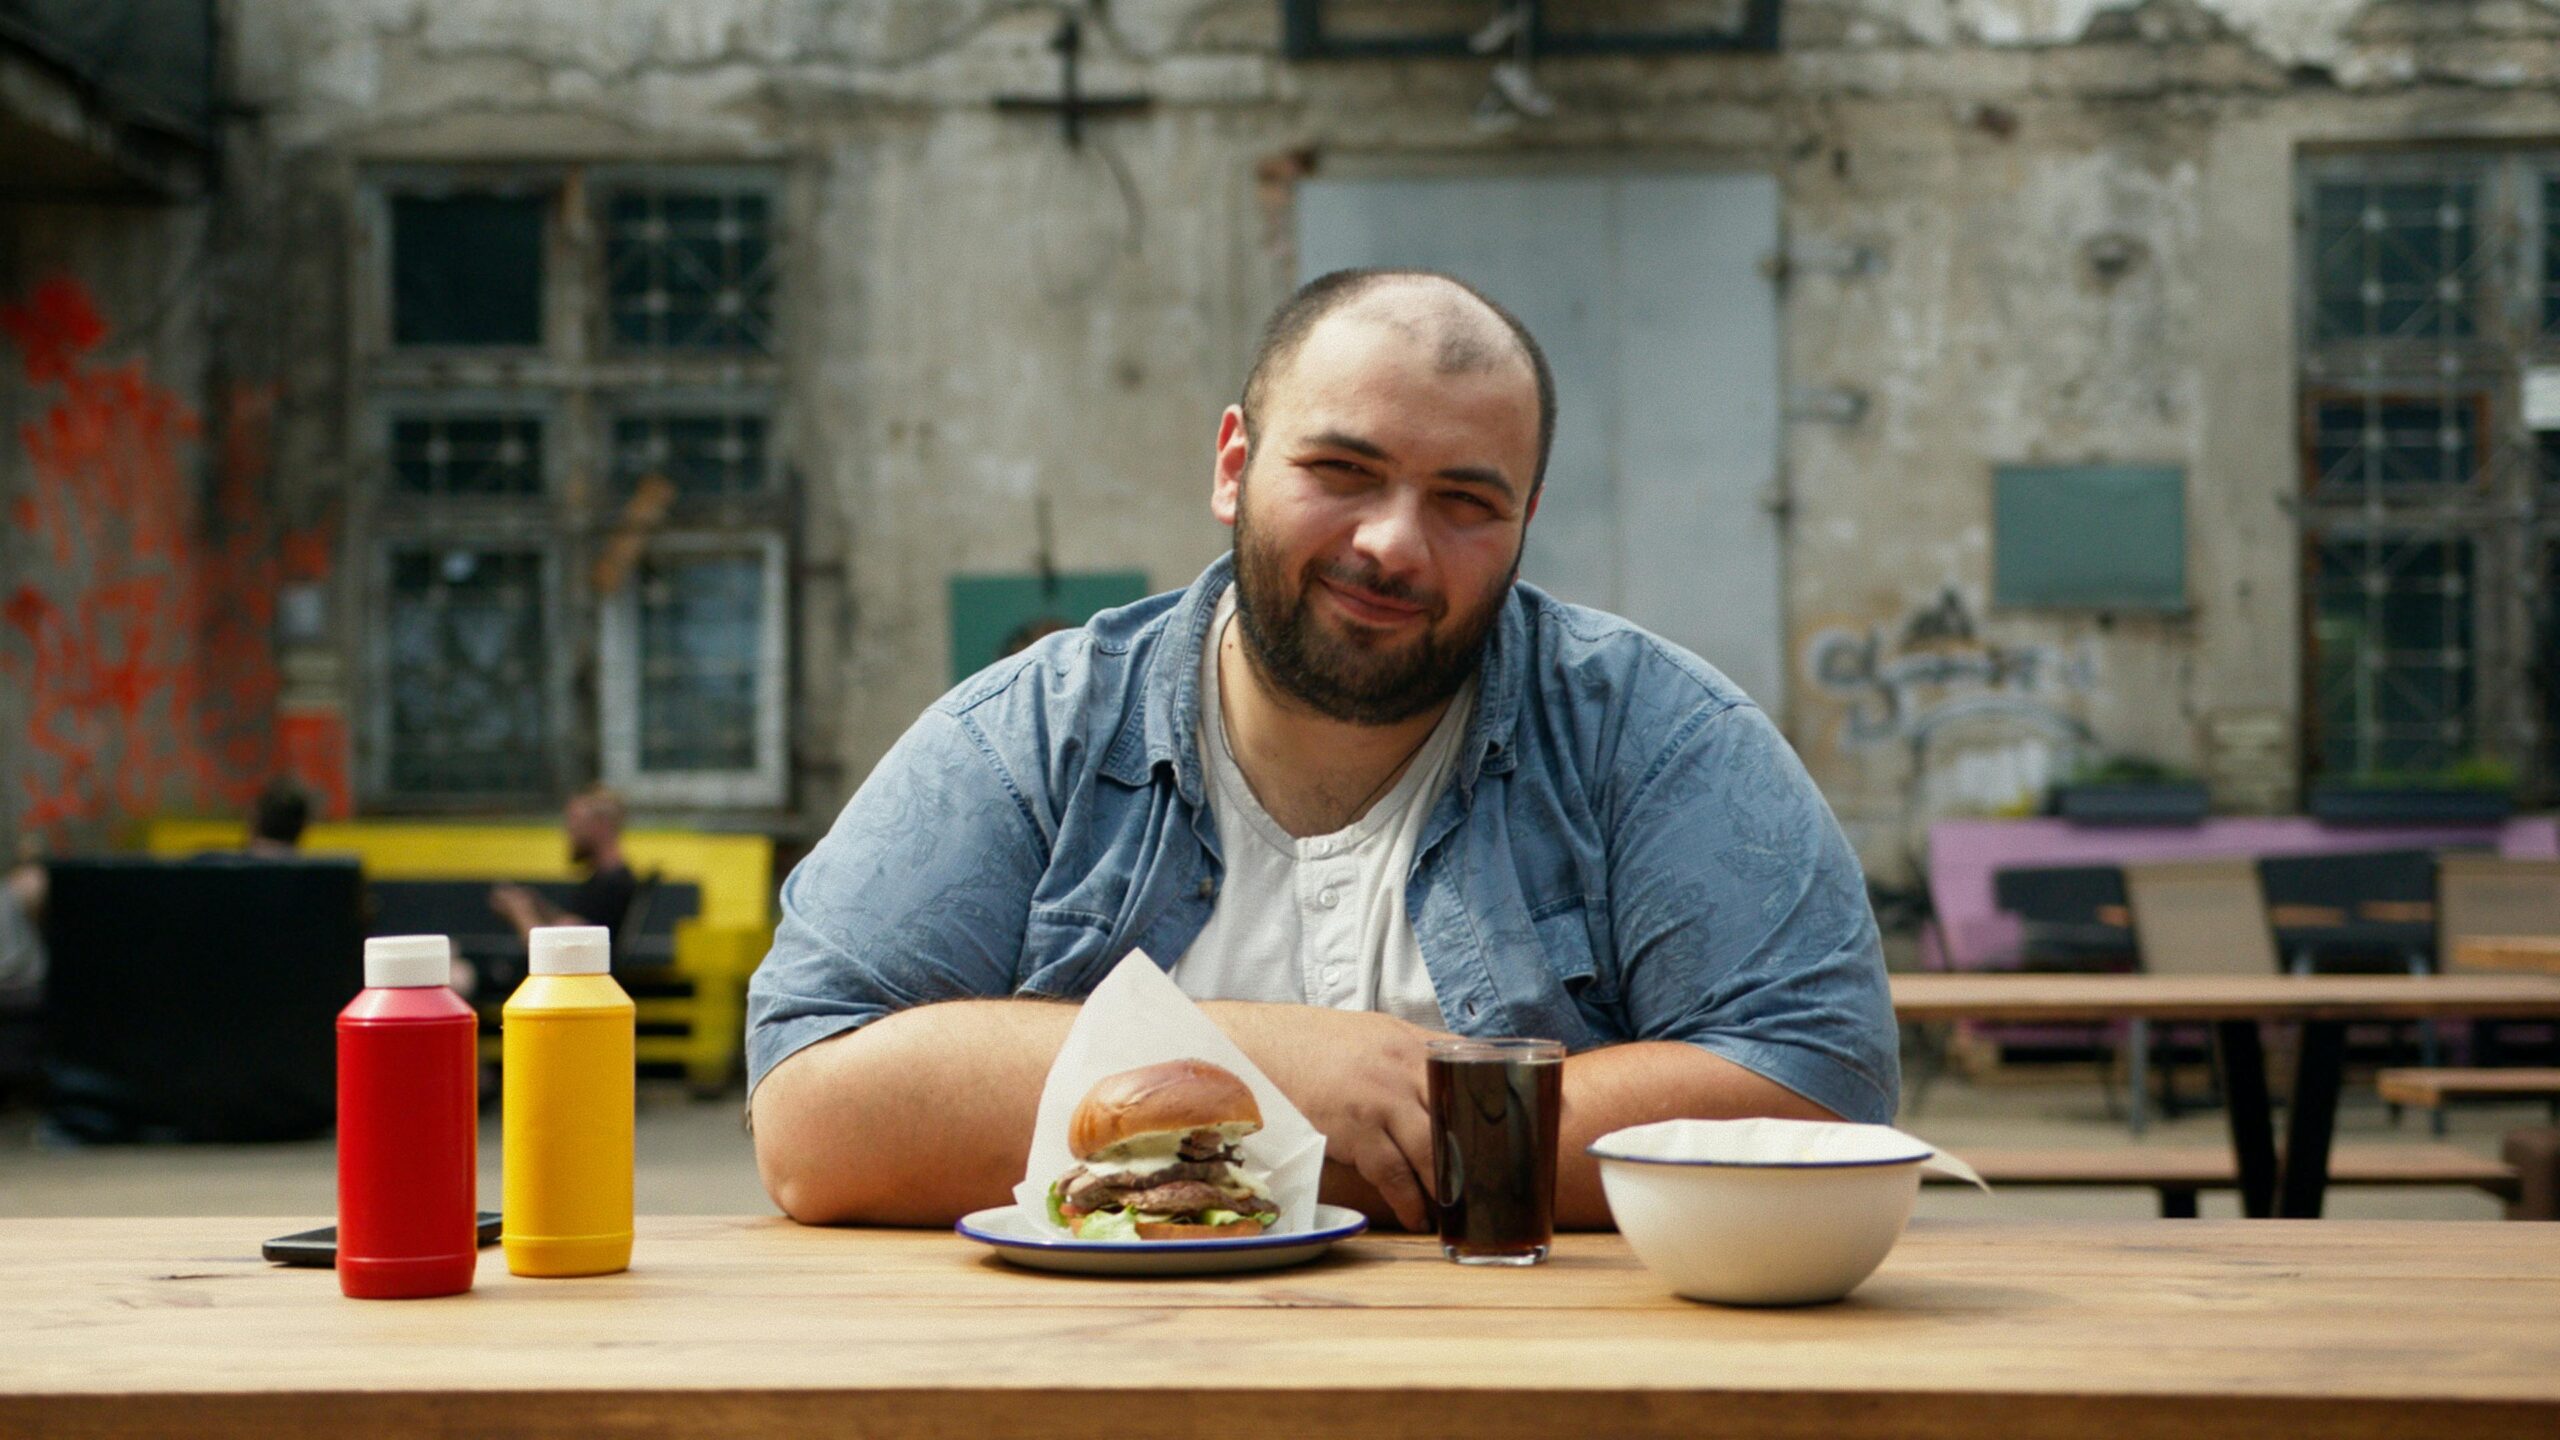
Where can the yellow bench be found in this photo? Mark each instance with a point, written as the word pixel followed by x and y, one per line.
pixel 715 951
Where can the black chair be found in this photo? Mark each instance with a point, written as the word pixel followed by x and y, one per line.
pixel 197 999
pixel 2079 919
pixel 2073 917
pixel 2363 912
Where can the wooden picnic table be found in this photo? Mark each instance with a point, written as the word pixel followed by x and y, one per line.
pixel 753 1325
pixel 2294 1184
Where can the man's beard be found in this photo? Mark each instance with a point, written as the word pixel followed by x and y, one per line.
pixel 1343 679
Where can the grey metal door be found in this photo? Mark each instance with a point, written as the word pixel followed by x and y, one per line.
pixel 1652 296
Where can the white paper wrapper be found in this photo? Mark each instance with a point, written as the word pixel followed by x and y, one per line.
pixel 1767 1141
pixel 1138 1016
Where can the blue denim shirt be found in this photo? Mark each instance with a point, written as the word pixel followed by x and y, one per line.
pixel 1626 850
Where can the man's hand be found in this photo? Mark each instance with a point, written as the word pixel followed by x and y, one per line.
pixel 519 905
pixel 1360 1078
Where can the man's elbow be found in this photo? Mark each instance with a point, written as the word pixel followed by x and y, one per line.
pixel 796 1132
pixel 808 1199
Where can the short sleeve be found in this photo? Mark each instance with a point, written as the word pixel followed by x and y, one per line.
pixel 1741 920
pixel 919 893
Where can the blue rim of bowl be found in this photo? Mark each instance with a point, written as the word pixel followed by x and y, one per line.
pixel 1345 1231
pixel 1597 1153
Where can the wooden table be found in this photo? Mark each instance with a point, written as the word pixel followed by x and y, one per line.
pixel 754 1326
pixel 2294 1184
pixel 2520 954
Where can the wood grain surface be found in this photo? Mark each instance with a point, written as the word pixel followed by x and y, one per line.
pixel 1992 996
pixel 755 1326
pixel 2523 954
pixel 2432 1087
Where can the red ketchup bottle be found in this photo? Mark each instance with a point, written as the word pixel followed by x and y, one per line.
pixel 408 1126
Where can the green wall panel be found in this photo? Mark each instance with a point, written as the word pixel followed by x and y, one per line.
pixel 2089 537
pixel 989 610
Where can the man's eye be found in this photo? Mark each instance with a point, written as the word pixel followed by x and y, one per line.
pixel 1471 499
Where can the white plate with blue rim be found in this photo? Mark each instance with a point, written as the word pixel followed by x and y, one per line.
pixel 1022 1240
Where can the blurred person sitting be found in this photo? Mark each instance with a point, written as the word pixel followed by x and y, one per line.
pixel 22 953
pixel 276 821
pixel 593 817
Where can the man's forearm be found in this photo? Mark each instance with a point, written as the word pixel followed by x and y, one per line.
pixel 925 1115
pixel 915 1119
pixel 1650 1080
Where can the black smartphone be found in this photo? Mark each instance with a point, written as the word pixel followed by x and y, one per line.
pixel 319 1248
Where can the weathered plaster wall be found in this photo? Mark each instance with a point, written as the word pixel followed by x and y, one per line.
pixel 2077 216
pixel 140 552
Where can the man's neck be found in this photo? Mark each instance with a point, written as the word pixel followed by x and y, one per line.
pixel 607 856
pixel 1312 773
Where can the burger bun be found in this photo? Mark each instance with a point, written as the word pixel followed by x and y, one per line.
pixel 1177 1095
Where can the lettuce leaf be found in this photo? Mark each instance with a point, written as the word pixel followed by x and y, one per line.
pixel 1057 1205
pixel 1108 1225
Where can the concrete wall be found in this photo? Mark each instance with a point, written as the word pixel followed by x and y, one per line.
pixel 2019 230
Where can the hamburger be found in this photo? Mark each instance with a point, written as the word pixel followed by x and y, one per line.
pixel 1156 1158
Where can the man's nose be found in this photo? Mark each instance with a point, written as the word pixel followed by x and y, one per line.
pixel 1391 535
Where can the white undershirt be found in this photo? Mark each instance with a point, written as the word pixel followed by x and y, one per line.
pixel 1318 921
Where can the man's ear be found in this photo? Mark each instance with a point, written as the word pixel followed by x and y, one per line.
pixel 1537 491
pixel 1235 450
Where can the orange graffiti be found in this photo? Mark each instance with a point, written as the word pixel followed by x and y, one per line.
pixel 144 646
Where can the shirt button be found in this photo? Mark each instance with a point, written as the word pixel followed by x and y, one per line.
pixel 1328 899
pixel 1333 974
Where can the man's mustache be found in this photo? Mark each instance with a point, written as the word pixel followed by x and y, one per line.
pixel 1402 592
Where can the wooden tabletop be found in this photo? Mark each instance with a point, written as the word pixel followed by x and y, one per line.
pixel 2526 954
pixel 757 1326
pixel 1979 995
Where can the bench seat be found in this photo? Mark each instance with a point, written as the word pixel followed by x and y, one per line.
pixel 2431 1087
pixel 2177 1172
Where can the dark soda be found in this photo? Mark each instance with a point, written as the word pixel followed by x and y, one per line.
pixel 1494 1108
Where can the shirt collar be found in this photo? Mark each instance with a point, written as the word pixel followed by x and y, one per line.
pixel 1165 729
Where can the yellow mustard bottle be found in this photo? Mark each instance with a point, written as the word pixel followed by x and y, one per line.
pixel 565 1109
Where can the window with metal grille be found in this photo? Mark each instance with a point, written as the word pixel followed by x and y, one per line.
pixel 574 487
pixel 466 453
pixel 706 454
pixel 2391 617
pixel 691 650
pixel 2429 283
pixel 689 266
pixel 467 670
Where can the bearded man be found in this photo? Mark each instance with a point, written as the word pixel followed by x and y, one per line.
pixel 1356 786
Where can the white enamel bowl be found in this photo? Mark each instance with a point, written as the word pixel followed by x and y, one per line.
pixel 1715 1220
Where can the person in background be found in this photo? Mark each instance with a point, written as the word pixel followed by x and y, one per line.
pixel 593 818
pixel 276 821
pixel 22 954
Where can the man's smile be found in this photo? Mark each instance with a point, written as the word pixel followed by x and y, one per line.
pixel 1371 608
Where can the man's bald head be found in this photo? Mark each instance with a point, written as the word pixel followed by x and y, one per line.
pixel 1468 333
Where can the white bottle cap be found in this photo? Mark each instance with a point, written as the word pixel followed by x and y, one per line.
pixel 572 950
pixel 407 962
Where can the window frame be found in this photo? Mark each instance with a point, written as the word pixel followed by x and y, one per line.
pixel 378 757
pixel 2508 515
pixel 619 674
pixel 579 381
